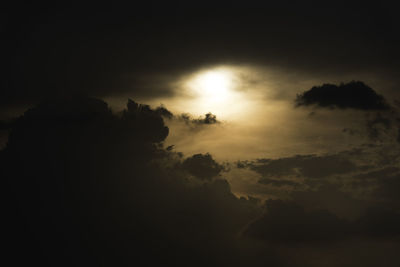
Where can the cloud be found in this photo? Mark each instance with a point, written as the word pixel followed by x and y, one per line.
pixel 83 184
pixel 277 182
pixel 164 112
pixel 355 95
pixel 208 118
pixel 309 166
pixel 385 181
pixel 287 222
pixel 202 166
pixel 333 198
pixel 86 185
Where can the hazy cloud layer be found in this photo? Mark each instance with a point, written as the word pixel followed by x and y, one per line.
pixel 337 182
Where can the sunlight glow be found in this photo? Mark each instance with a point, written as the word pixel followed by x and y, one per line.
pixel 213 85
pixel 218 90
pixel 222 90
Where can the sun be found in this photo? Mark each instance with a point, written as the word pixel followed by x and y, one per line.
pixel 213 85
pixel 217 90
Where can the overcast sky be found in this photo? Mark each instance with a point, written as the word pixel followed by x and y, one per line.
pixel 271 129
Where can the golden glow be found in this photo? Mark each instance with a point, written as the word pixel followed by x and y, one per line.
pixel 215 90
pixel 214 85
pixel 230 92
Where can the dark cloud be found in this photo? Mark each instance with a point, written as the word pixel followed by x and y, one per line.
pixel 309 166
pixel 278 182
pixel 289 223
pixel 85 185
pixel 378 127
pixel 355 95
pixel 345 184
pixel 378 120
pixel 386 182
pixel 379 222
pixel 164 112
pixel 208 118
pixel 202 166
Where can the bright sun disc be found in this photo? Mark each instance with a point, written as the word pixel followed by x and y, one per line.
pixel 213 85
pixel 216 90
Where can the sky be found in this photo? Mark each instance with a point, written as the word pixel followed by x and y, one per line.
pixel 202 134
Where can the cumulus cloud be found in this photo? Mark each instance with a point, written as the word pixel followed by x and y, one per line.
pixel 202 166
pixel 98 188
pixel 380 121
pixel 355 95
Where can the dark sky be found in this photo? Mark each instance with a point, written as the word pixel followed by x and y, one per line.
pixel 294 163
pixel 105 50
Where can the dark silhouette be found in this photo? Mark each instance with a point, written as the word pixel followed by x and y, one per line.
pixel 354 95
pixel 85 187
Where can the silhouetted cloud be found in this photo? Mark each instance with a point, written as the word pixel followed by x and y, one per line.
pixel 164 112
pixel 208 118
pixel 354 95
pixel 202 166
pixel 85 185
